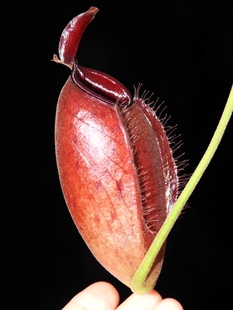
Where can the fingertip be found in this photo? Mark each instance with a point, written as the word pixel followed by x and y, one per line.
pixel 169 303
pixel 146 301
pixel 99 295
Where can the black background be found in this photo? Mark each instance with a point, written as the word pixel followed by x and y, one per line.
pixel 180 50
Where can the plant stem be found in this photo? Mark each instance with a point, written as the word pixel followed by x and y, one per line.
pixel 138 283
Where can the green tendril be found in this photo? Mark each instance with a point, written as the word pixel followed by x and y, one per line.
pixel 139 282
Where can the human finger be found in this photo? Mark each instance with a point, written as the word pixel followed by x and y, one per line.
pixel 168 304
pixel 139 302
pixel 97 296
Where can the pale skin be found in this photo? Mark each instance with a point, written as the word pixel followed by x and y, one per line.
pixel 103 296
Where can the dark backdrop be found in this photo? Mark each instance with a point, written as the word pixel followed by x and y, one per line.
pixel 182 51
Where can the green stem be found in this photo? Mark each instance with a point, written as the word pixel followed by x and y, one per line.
pixel 138 283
